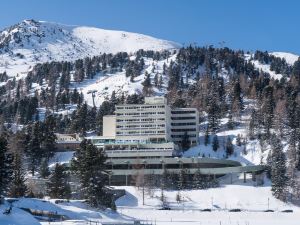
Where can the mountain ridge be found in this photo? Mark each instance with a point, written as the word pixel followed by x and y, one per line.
pixel 30 42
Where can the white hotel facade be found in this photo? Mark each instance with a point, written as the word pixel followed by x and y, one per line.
pixel 152 129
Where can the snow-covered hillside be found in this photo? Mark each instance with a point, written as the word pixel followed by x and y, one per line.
pixel 29 42
pixel 105 84
pixel 289 58
pixel 248 153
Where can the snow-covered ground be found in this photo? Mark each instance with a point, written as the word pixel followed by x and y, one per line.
pixel 16 217
pixel 252 201
pixel 76 212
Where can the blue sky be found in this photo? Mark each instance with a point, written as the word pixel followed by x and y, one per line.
pixel 241 24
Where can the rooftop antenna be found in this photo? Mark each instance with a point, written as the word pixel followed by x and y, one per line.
pixel 93 95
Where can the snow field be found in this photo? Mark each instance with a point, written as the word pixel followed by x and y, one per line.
pixel 251 200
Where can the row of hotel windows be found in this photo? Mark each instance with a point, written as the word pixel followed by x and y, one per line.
pixel 182 124
pixel 141 126
pixel 138 114
pixel 184 118
pixel 141 107
pixel 182 112
pixel 181 136
pixel 141 120
pixel 140 132
pixel 183 130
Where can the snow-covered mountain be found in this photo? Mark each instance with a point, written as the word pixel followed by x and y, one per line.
pixel 30 42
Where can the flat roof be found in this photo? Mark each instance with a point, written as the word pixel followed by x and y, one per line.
pixel 101 137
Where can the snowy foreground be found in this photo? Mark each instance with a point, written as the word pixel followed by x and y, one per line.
pixel 17 217
pixel 252 201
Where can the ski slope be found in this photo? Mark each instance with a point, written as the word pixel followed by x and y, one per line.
pixel 105 84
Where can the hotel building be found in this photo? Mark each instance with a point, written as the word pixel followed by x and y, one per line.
pixel 152 129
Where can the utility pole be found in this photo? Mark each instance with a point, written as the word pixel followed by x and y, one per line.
pixel 143 193
pixel 93 95
pixel 144 182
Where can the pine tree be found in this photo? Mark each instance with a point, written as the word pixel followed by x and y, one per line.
pixel 160 82
pixel 58 186
pixel 229 147
pixel 213 117
pixel 79 122
pixel 198 180
pixel 147 86
pixel 253 125
pixel 215 143
pixel 182 179
pixel 206 137
pixel 164 178
pixel 297 163
pixel 268 109
pixel 214 110
pixel 113 204
pixel 230 124
pixel 278 170
pixel 292 173
pixel 237 104
pixel 89 164
pixel 6 164
pixel 33 148
pixel 156 80
pixel 178 197
pixel 17 187
pixel 17 143
pixel 44 169
pixel 48 137
pixel 238 140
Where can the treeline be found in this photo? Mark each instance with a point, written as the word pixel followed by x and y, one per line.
pixel 278 65
pixel 88 166
pixel 172 181
pixel 34 145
